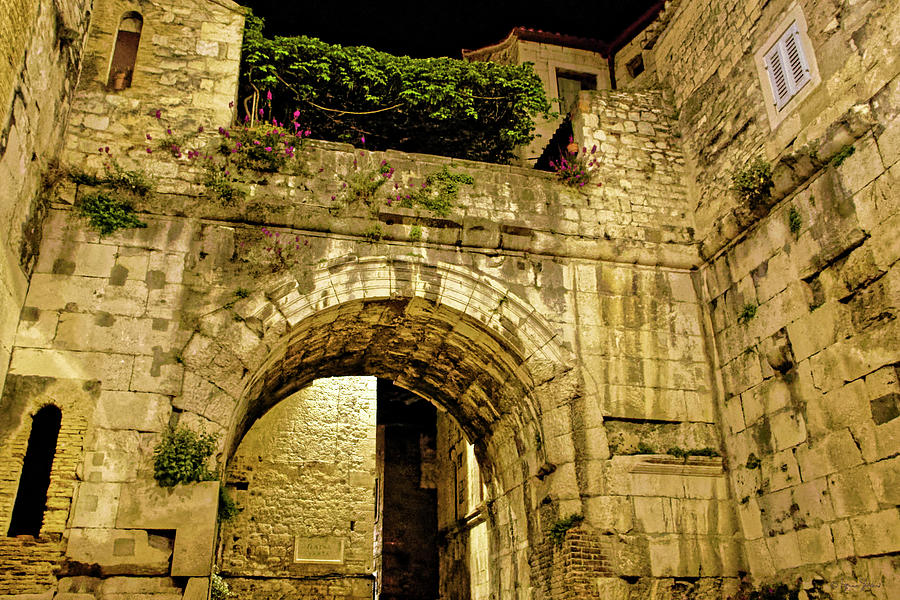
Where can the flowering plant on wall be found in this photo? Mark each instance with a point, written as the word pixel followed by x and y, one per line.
pixel 574 168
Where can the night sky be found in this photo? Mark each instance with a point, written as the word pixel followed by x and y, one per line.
pixel 431 28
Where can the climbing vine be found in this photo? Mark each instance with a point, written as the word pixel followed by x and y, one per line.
pixel 476 110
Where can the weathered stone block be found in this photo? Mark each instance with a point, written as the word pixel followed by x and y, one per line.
pixel 132 410
pixel 189 509
pixel 876 533
pixel 95 505
pixel 119 551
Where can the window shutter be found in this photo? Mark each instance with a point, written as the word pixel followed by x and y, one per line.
pixel 781 91
pixel 796 65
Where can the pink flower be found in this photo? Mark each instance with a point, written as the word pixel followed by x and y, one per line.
pixel 363 139
pixel 149 151
pixel 158 114
pixel 296 114
pixel 149 137
pixel 268 148
pixel 200 129
pixel 269 95
pixel 168 131
pixel 260 112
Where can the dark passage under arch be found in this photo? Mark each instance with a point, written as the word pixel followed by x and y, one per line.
pixel 31 497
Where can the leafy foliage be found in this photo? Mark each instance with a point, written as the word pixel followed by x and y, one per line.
pixel 415 233
pixel 227 507
pixel 481 110
pixel 747 314
pixel 558 530
pixel 842 155
pixel 754 182
pixel 220 184
pixel 219 588
pixel 795 221
pixel 115 177
pixel 181 457
pixel 107 214
pixel 438 193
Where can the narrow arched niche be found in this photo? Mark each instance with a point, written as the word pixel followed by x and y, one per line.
pixel 128 37
pixel 31 497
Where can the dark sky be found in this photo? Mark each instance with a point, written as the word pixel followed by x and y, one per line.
pixel 441 28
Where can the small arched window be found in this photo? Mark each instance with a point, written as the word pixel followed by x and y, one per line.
pixel 124 54
pixel 31 498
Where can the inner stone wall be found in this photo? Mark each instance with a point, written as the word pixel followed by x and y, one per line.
pixel 305 473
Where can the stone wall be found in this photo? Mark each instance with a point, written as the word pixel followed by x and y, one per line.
pixel 306 469
pixel 186 68
pixel 800 290
pixel 40 55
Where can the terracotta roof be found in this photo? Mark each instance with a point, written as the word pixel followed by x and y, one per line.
pixel 544 37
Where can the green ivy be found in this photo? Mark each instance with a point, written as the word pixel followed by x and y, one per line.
pixel 107 214
pixel 477 110
pixel 558 530
pixel 181 457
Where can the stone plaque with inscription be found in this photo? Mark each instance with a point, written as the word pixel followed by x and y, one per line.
pixel 328 550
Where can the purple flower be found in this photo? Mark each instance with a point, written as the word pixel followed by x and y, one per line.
pixel 149 151
pixel 149 137
pixel 363 139
pixel 200 129
pixel 158 114
pixel 168 132
pixel 231 104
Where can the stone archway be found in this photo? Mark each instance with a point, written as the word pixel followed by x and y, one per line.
pixel 454 337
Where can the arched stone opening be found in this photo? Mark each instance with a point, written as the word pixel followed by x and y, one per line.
pixel 447 335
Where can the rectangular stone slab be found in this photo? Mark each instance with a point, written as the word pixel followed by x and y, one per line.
pixel 189 509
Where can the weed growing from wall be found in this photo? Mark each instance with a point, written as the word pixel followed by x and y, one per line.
pixel 107 214
pixel 220 184
pixel 227 507
pixel 747 313
pixel 753 461
pixel 795 221
pixel 415 233
pixel 181 457
pixel 574 169
pixel 437 193
pixel 557 533
pixel 373 233
pixel 754 183
pixel 115 177
pixel 218 588
pixel 842 155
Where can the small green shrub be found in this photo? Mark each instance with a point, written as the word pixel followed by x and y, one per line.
pixel 795 221
pixel 242 293
pixel 218 588
pixel 644 448
pixel 107 214
pixel 748 312
pixel 415 233
pixel 227 507
pixel 754 182
pixel 842 155
pixel 677 452
pixel 181 457
pixel 753 461
pixel 706 451
pixel 116 178
pixel 439 192
pixel 221 185
pixel 558 530
pixel 373 233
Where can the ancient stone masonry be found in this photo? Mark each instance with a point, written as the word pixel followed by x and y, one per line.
pixel 802 290
pixel 665 386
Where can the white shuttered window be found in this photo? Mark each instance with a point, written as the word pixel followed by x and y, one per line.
pixel 787 67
